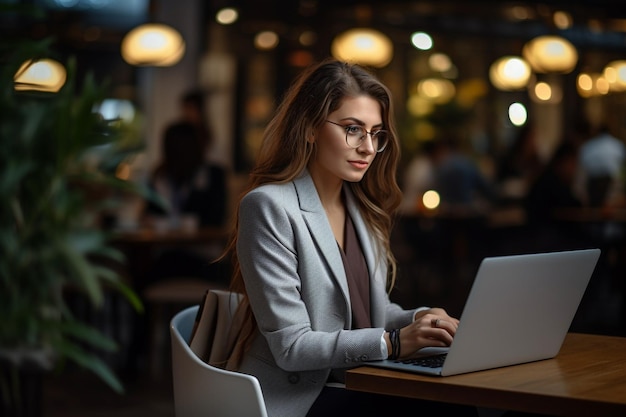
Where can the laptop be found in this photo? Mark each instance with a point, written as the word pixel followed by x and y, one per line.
pixel 519 310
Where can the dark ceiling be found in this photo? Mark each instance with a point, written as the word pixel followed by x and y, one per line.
pixel 595 23
pixel 296 11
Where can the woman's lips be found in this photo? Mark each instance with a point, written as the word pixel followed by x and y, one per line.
pixel 359 164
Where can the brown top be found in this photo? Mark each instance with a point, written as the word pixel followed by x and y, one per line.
pixel 358 278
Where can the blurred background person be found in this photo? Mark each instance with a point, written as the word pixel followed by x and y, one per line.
pixel 463 188
pixel 192 188
pixel 554 187
pixel 551 191
pixel 519 166
pixel 419 177
pixel 602 164
pixel 192 107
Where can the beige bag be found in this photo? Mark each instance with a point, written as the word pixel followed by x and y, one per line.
pixel 217 327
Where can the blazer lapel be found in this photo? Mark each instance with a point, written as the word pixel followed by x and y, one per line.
pixel 319 228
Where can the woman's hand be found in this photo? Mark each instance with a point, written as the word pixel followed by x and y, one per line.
pixel 432 327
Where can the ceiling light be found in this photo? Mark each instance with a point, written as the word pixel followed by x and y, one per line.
pixel 550 54
pixel 266 40
pixel 592 85
pixel 509 73
pixel 422 40
pixel 43 75
pixel 615 75
pixel 153 44
pixel 227 16
pixel 437 90
pixel 440 62
pixel 363 46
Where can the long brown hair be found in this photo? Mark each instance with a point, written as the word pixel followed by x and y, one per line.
pixel 285 152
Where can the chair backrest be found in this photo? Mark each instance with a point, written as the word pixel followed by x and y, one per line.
pixel 202 390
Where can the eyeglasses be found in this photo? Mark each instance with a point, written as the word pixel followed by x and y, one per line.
pixel 356 134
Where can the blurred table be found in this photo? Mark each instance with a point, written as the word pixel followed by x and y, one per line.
pixel 171 237
pixel 590 214
pixel 142 246
pixel 585 379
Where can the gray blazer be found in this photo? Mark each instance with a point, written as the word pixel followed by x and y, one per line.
pixel 298 292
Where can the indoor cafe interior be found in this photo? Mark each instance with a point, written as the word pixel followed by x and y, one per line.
pixel 495 103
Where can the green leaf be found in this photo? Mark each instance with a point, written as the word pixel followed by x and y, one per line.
pixel 91 362
pixel 83 272
pixel 85 241
pixel 110 253
pixel 127 292
pixel 13 174
pixel 88 334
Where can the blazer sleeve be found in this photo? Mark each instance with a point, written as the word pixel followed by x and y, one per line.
pixel 297 304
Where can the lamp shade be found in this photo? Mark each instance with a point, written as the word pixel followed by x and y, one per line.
pixel 42 75
pixel 510 73
pixel 550 54
pixel 153 44
pixel 363 46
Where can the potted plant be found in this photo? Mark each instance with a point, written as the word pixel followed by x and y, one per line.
pixel 51 197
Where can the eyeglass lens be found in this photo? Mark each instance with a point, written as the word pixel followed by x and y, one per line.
pixel 355 135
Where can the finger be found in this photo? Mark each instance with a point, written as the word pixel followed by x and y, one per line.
pixel 435 343
pixel 448 327
pixel 453 323
pixel 441 335
pixel 445 323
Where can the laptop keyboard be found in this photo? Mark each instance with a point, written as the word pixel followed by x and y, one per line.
pixel 435 361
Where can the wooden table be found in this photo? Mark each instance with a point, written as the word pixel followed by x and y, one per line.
pixel 587 378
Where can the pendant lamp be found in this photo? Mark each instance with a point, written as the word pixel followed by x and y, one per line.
pixel 363 46
pixel 42 75
pixel 510 73
pixel 550 53
pixel 153 44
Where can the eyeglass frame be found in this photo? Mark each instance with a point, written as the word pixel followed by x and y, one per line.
pixel 362 138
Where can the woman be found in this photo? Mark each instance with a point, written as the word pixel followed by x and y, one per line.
pixel 311 249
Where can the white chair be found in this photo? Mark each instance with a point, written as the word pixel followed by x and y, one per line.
pixel 202 390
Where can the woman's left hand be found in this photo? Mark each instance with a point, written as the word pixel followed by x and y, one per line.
pixel 432 327
pixel 440 314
